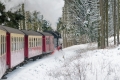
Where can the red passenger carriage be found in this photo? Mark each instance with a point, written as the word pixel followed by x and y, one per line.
pixel 57 36
pixel 48 42
pixel 33 44
pixel 2 51
pixel 52 43
pixel 15 46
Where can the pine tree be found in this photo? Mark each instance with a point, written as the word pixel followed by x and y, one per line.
pixel 9 18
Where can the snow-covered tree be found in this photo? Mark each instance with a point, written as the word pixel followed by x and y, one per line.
pixel 96 19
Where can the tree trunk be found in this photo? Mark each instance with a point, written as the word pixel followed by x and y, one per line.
pixel 114 21
pixel 102 36
pixel 24 15
pixel 118 22
pixel 106 21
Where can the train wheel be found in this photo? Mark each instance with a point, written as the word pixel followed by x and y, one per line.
pixel 40 56
pixel 34 59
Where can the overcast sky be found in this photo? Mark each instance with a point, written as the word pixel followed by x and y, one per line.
pixel 51 9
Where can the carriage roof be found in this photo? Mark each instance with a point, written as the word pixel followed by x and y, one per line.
pixel 53 33
pixel 45 34
pixel 31 32
pixel 11 30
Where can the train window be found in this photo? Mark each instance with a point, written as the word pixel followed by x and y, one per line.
pixel 11 43
pixel 40 41
pixel 21 43
pixel 18 43
pixel 31 42
pixel 53 40
pixel 1 45
pixel 14 43
pixel 36 42
pixel 5 44
pixel 46 41
pixel 49 40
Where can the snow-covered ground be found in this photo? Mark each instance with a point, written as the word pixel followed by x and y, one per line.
pixel 79 62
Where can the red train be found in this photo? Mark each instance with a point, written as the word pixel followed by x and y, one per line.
pixel 18 46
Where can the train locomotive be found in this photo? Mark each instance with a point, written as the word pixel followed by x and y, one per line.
pixel 18 46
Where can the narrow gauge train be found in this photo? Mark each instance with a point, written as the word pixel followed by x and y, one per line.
pixel 18 46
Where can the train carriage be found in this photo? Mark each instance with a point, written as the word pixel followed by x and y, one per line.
pixel 15 46
pixel 56 38
pixel 2 51
pixel 33 44
pixel 51 43
pixel 48 45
